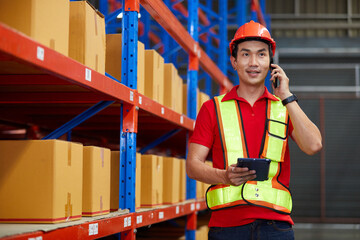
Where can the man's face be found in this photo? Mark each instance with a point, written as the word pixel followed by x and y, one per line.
pixel 252 62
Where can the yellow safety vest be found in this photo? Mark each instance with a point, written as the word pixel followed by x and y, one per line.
pixel 270 193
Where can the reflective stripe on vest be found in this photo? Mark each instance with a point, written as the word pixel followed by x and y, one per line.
pixel 270 193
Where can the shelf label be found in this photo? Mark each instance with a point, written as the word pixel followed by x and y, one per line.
pixel 177 209
pixel 36 238
pixel 162 110
pixel 161 215
pixel 192 206
pixel 139 219
pixel 131 96
pixel 40 53
pixel 140 100
pixel 93 229
pixel 127 222
pixel 199 53
pixel 87 74
pixel 182 119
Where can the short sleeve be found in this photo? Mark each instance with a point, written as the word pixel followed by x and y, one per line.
pixel 204 126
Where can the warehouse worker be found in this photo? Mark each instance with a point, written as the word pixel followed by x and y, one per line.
pixel 249 122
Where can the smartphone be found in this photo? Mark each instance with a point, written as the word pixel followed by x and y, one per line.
pixel 276 81
pixel 260 165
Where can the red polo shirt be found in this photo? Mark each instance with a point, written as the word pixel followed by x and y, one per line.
pixel 206 133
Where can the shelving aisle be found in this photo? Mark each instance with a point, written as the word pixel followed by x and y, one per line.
pixel 45 88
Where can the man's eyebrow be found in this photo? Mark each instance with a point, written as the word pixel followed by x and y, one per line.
pixel 248 50
pixel 263 50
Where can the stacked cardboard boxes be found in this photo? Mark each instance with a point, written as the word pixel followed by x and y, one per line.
pixel 114 59
pixel 202 98
pixel 151 180
pixel 114 180
pixel 171 180
pixel 96 181
pixel 87 36
pixel 202 233
pixel 182 188
pixel 45 21
pixel 154 76
pixel 40 181
pixel 173 90
pixel 179 96
pixel 170 85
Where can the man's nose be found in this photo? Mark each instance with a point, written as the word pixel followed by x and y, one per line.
pixel 253 61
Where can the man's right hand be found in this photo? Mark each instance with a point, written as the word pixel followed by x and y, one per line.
pixel 236 175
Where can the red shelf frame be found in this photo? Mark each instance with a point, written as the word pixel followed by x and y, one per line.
pixel 113 225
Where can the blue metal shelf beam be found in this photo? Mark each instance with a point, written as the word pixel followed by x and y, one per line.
pixel 129 78
pixel 208 10
pixel 192 84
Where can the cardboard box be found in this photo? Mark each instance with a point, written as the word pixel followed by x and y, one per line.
pixel 170 85
pixel 199 190
pixel 151 180
pixel 203 97
pixel 114 57
pixel 184 103
pixel 182 188
pixel 114 180
pixel 45 21
pixel 202 233
pixel 141 68
pixel 179 95
pixel 40 181
pixel 185 98
pixel 138 181
pixel 154 76
pixel 171 180
pixel 96 181
pixel 87 36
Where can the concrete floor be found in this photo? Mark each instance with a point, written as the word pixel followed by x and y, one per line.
pixel 311 231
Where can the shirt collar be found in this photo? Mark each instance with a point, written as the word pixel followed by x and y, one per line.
pixel 232 95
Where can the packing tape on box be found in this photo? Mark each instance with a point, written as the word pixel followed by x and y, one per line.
pixel 68 207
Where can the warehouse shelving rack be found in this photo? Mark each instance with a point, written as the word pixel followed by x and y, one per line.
pixel 26 64
pixel 46 89
pixel 39 86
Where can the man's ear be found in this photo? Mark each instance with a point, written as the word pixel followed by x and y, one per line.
pixel 233 62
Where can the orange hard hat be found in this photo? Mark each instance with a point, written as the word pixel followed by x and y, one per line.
pixel 253 30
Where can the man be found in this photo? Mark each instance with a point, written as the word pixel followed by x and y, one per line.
pixel 249 122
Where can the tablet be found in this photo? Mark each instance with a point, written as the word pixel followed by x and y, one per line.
pixel 260 165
